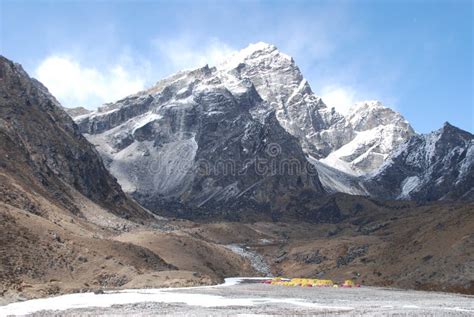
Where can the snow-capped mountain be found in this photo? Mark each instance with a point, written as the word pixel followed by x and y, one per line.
pixel 279 81
pixel 434 166
pixel 154 141
pixel 357 143
pixel 376 132
pixel 202 140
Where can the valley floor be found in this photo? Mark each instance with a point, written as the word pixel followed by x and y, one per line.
pixel 251 298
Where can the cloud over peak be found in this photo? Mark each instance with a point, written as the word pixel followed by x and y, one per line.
pixel 185 52
pixel 340 97
pixel 75 84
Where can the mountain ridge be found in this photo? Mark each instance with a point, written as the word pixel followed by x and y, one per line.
pixel 357 143
pixel 202 116
pixel 433 166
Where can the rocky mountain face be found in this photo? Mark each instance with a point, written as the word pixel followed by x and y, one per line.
pixel 434 166
pixel 42 147
pixel 205 141
pixel 77 111
pixel 356 143
pixel 349 149
pixel 279 81
pixel 234 111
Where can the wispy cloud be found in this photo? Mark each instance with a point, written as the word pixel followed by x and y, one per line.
pixel 186 52
pixel 76 84
pixel 339 97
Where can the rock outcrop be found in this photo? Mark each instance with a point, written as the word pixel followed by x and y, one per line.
pixel 42 146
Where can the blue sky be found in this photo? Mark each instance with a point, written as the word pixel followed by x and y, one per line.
pixel 415 56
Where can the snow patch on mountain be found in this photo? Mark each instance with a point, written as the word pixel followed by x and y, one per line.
pixel 253 52
pixel 408 185
pixel 336 181
pixel 377 131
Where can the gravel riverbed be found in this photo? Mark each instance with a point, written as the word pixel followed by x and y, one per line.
pixel 251 299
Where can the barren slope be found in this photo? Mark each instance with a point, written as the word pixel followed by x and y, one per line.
pixel 60 209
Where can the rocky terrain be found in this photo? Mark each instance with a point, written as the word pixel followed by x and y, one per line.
pixel 78 111
pixel 356 143
pixel 42 147
pixel 250 297
pixel 393 244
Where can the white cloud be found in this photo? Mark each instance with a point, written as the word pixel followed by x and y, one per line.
pixel 185 52
pixel 78 85
pixel 339 97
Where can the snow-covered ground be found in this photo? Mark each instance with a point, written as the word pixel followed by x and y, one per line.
pixel 334 180
pixel 124 297
pixel 251 298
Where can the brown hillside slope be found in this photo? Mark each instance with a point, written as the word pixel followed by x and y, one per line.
pixel 397 244
pixel 60 209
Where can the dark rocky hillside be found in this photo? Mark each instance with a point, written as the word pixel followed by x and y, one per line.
pixel 43 148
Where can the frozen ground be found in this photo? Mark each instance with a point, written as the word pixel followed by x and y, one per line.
pixel 250 299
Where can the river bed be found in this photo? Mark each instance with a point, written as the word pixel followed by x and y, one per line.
pixel 243 296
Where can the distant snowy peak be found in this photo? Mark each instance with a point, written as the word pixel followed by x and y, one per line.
pixel 357 143
pixel 453 133
pixel 371 114
pixel 279 82
pixel 274 74
pixel 438 165
pixel 377 131
pixel 431 148
pixel 440 146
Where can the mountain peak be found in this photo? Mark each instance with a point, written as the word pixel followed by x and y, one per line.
pixel 255 52
pixel 449 127
pixel 448 131
pixel 369 104
pixel 374 109
pixel 259 46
